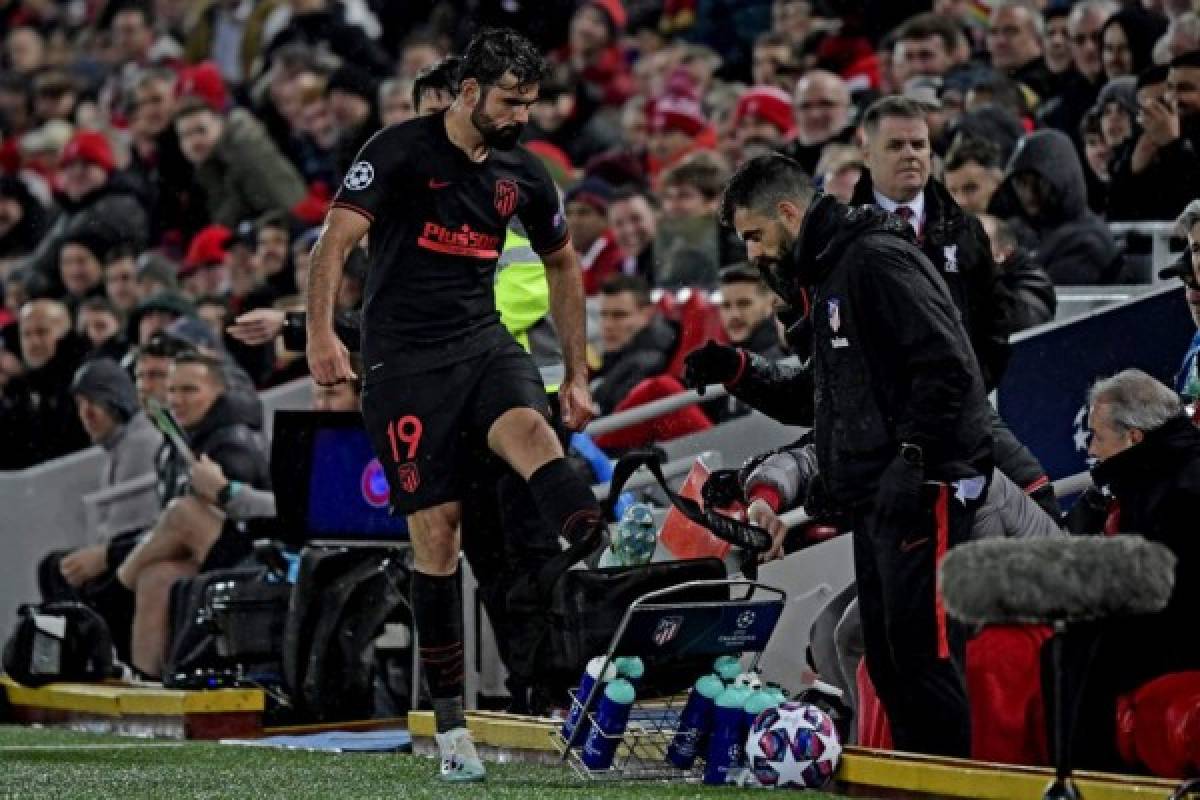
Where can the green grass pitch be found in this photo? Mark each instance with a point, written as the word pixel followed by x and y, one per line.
pixel 58 765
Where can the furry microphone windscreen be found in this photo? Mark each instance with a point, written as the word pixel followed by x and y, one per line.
pixel 1073 579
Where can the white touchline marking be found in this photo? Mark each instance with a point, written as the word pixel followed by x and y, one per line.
pixel 113 746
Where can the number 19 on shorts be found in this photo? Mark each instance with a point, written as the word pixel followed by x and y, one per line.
pixel 404 435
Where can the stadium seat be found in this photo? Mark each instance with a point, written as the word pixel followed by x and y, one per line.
pixel 660 429
pixel 699 321
pixel 1004 687
pixel 1158 725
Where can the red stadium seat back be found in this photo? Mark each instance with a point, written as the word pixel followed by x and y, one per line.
pixel 699 321
pixel 1004 685
pixel 672 425
pixel 1158 725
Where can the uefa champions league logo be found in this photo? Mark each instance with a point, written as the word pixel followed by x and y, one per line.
pixel 360 176
pixel 745 619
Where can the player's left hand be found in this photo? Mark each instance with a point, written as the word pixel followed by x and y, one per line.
pixel 575 403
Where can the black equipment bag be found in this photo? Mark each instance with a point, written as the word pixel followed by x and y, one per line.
pixel 227 619
pixel 58 641
pixel 341 601
pixel 580 610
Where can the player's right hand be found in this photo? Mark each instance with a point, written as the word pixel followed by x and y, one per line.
pixel 328 359
pixel 257 327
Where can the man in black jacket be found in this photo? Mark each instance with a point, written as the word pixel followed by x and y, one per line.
pixel 898 157
pixel 899 161
pixel 1149 463
pixel 901 420
pixel 637 341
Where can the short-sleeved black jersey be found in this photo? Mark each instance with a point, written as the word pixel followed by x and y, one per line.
pixel 438 222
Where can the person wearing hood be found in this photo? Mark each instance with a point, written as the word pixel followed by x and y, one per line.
pixel 23 219
pixel 94 197
pixel 1142 186
pixel 37 418
pixel 638 342
pixel 1127 39
pixel 901 419
pixel 1074 244
pixel 107 405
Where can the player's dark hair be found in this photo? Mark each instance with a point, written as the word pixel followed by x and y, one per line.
pixel 763 182
pixel 634 284
pixel 972 150
pixel 439 77
pixel 494 52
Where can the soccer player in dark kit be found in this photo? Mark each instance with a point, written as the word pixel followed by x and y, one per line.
pixel 436 195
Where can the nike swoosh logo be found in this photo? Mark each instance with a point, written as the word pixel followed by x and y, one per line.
pixel 907 547
pixel 436 184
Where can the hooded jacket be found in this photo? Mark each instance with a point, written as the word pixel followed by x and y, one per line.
pixel 1156 484
pixel 648 353
pixel 131 450
pixel 1074 245
pixel 246 175
pixel 957 246
pixel 890 363
pixel 224 437
pixel 38 420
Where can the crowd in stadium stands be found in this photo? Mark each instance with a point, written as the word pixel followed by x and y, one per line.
pixel 166 165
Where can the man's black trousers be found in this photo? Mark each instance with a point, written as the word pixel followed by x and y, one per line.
pixel 915 654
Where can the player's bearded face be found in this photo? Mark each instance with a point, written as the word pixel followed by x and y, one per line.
pixel 502 136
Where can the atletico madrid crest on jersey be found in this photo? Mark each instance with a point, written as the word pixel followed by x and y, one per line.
pixel 506 197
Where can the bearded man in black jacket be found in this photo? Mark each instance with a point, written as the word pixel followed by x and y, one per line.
pixel 900 415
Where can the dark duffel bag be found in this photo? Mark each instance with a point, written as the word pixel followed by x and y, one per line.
pixel 58 641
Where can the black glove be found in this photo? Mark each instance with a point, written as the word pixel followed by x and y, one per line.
pixel 899 496
pixel 711 363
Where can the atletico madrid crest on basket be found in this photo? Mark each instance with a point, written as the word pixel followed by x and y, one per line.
pixel 506 197
pixel 668 629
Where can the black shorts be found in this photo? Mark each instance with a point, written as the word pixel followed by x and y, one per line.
pixel 424 427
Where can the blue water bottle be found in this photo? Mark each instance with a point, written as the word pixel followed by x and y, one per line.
pixel 577 716
pixel 631 668
pixel 611 717
pixel 728 736
pixel 727 668
pixel 695 722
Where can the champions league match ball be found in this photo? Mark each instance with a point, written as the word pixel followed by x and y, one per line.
pixel 793 746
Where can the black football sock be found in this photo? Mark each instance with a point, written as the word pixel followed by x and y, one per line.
pixel 566 503
pixel 437 611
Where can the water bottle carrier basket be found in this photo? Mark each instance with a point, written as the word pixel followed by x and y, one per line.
pixel 655 628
